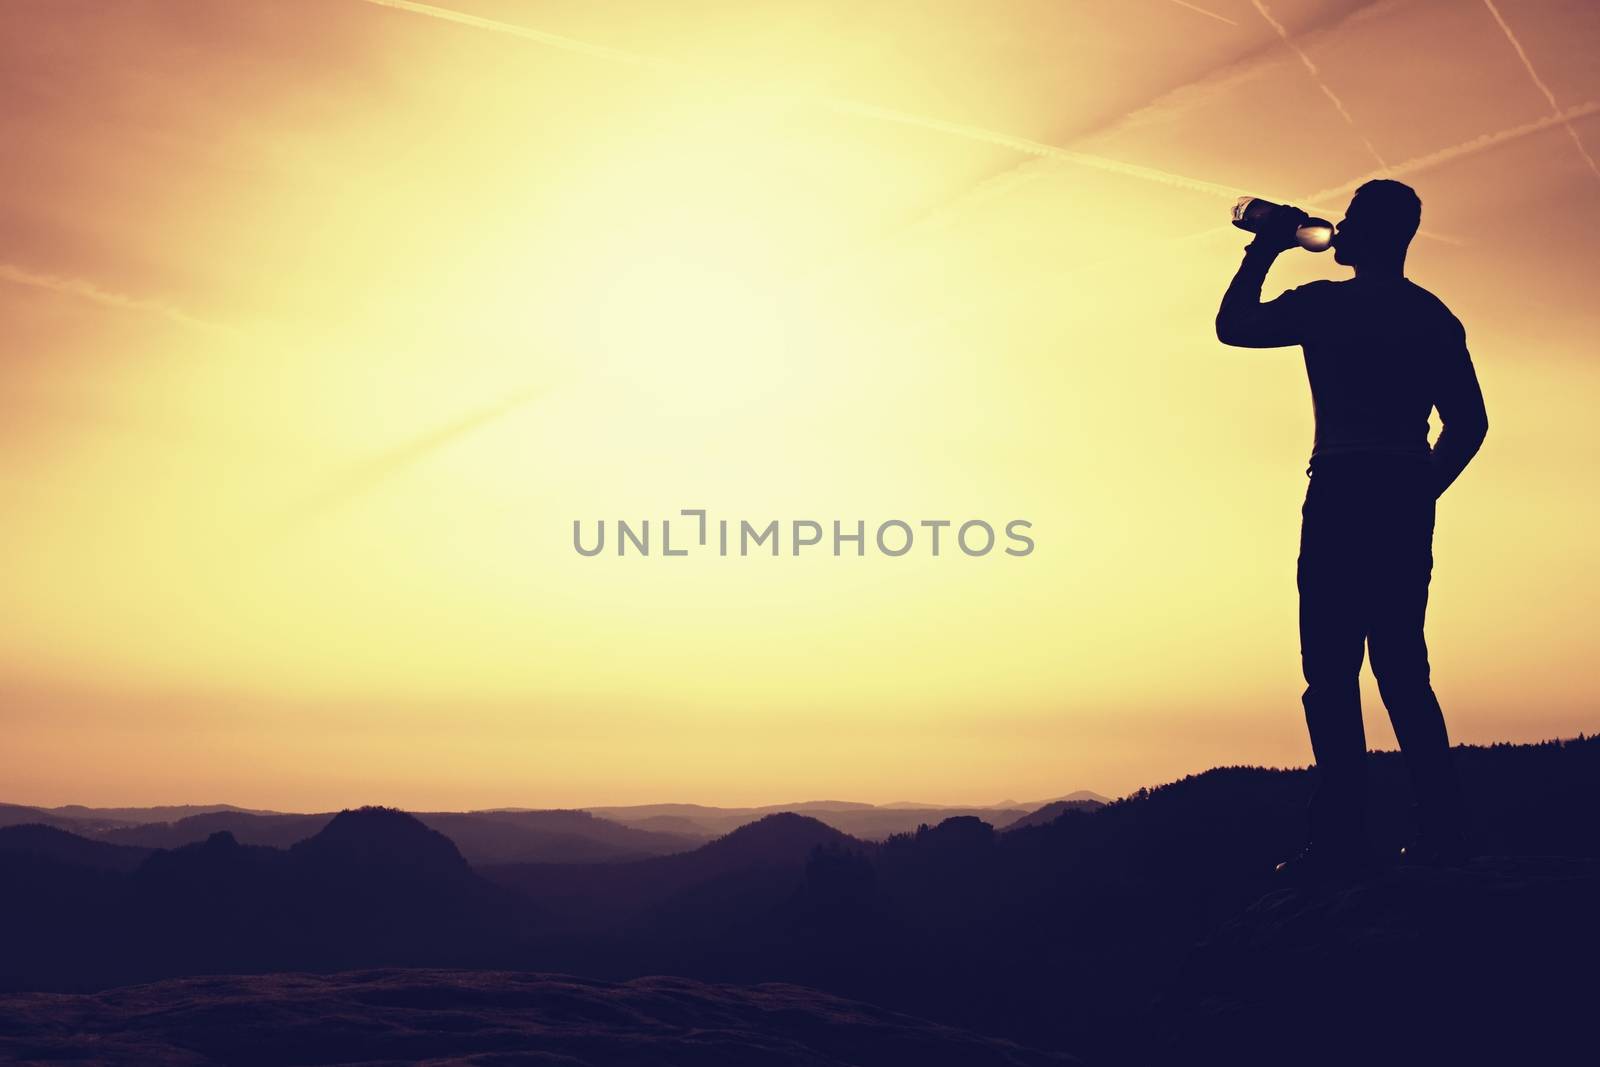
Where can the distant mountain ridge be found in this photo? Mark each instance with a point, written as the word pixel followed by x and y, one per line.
pixel 868 822
pixel 1146 930
pixel 374 884
pixel 518 835
pixel 1053 811
pixel 62 846
pixel 759 863
pixel 163 813
pixel 556 836
pixel 1142 931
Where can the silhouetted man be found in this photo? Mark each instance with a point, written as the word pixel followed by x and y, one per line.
pixel 1381 353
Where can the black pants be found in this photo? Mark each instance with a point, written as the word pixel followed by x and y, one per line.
pixel 1366 557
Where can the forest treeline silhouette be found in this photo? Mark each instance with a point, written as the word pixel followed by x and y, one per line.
pixel 1113 932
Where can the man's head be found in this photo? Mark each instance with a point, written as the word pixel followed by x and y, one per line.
pixel 1378 225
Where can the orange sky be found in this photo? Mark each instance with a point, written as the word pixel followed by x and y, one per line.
pixel 324 320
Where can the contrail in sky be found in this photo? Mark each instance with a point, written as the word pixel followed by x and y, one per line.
pixel 1484 143
pixel 553 40
pixel 85 290
pixel 1417 165
pixel 991 188
pixel 1178 98
pixel 1203 11
pixel 1316 76
pixel 1466 148
pixel 1555 109
pixel 838 105
pixel 370 473
pixel 1030 147
pixel 1477 145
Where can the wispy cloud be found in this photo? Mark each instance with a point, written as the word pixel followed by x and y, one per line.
pixel 87 290
pixel 838 105
pixel 1316 76
pixel 1538 82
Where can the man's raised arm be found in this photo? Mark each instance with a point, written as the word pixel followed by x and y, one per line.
pixel 1243 320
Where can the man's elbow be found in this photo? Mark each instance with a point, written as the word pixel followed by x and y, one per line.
pixel 1228 330
pixel 1244 328
pixel 1478 423
pixel 1473 432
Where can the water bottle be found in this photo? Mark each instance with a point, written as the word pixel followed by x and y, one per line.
pixel 1314 235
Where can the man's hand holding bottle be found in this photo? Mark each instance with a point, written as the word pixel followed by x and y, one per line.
pixel 1279 227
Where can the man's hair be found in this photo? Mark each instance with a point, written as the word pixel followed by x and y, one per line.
pixel 1393 206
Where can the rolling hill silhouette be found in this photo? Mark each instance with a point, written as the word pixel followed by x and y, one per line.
pixel 869 822
pixel 1143 931
pixel 385 842
pixel 554 836
pixel 753 864
pixel 22 815
pixel 49 843
pixel 373 886
pixel 512 835
pixel 160 813
pixel 1053 811
pixel 99 821
pixel 248 828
